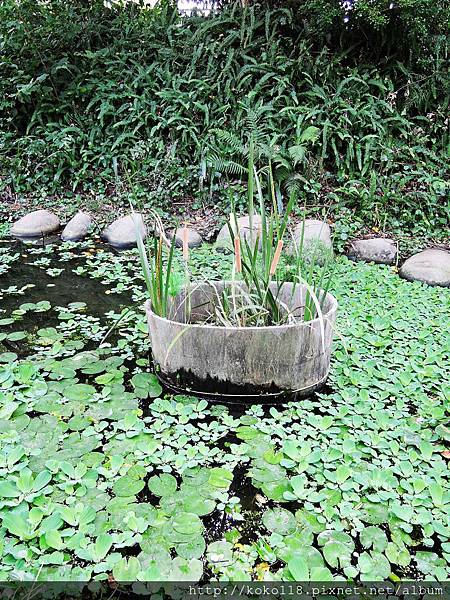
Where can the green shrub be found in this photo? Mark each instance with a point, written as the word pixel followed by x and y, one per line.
pixel 87 91
pixel 404 28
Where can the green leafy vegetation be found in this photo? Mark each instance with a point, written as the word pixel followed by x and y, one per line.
pixel 103 474
pixel 357 110
pixel 252 296
pixel 106 475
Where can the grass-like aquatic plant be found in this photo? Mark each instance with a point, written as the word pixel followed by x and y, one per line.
pixel 260 265
pixel 158 276
pixel 252 297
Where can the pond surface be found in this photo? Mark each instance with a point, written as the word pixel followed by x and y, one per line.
pixel 62 288
pixel 55 279
pixel 104 474
pixel 43 274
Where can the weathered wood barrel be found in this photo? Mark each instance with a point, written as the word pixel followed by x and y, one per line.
pixel 247 361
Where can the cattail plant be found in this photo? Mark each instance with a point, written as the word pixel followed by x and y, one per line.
pixel 259 271
pixel 157 275
pixel 257 262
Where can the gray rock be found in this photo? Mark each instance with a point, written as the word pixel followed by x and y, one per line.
pixel 243 223
pixel 77 228
pixel 122 232
pixel 431 266
pixel 35 224
pixel 194 238
pixel 377 250
pixel 316 240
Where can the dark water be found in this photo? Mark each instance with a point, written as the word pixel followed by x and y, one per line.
pixel 60 291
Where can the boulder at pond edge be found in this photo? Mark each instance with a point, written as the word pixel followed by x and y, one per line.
pixel 194 238
pixel 77 228
pixel 122 232
pixel 243 223
pixel 431 266
pixel 35 224
pixel 312 238
pixel 377 250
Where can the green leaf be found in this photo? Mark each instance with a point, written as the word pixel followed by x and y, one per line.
pixel 53 521
pixel 272 457
pixel 342 473
pixel 298 569
pixel 195 548
pixel 80 392
pixel 187 523
pixel 17 525
pixel 162 485
pixel 186 570
pixel 220 477
pixel 41 480
pixel 320 574
pixel 337 547
pixel 69 514
pixel 102 546
pixel 146 385
pixel 127 570
pixel 55 558
pixel 16 336
pixel 25 481
pixel 426 449
pixel 373 537
pixel 443 432
pixel 292 450
pixel 7 409
pixel 8 490
pixel 220 552
pixel 298 485
pixel 397 555
pixel 279 521
pixel 310 134
pixel 437 493
pixel 419 485
pixel 429 562
pixel 374 566
pixel 54 539
pixel 198 505
pixel 127 486
pixel 403 512
pixel 87 515
pixel 247 433
pixel 337 554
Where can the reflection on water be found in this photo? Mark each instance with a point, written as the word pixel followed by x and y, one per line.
pixel 59 290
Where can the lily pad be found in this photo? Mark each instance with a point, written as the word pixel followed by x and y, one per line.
pixel 220 478
pixel 279 521
pixel 127 486
pixel 162 485
pixel 187 523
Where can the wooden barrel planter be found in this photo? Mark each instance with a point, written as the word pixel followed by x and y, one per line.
pixel 241 362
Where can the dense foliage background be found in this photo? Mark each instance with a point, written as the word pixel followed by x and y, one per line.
pixel 354 98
